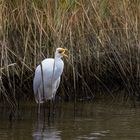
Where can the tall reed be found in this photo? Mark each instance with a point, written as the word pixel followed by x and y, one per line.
pixel 102 38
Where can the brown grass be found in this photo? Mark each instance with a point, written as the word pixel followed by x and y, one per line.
pixel 103 38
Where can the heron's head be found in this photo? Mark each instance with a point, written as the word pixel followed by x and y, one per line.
pixel 60 52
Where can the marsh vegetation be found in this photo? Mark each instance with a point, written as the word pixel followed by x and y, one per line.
pixel 102 36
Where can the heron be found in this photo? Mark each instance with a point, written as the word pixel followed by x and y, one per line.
pixel 47 77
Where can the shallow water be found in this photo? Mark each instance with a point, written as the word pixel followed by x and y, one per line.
pixel 89 121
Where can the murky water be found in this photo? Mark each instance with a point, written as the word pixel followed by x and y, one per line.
pixel 90 121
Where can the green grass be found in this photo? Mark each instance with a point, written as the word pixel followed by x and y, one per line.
pixel 103 39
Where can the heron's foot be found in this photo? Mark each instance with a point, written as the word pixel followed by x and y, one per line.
pixel 40 102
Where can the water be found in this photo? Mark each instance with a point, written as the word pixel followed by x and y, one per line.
pixel 90 121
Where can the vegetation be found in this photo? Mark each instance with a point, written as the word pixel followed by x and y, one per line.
pixel 102 36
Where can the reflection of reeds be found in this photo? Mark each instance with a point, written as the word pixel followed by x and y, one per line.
pixel 102 37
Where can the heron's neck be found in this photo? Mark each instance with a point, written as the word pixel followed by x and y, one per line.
pixel 57 58
pixel 57 62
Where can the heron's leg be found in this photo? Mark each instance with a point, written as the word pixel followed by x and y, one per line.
pixel 11 115
pixel 49 110
pixel 53 105
pixel 39 108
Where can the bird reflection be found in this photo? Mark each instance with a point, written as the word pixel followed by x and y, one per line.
pixel 43 129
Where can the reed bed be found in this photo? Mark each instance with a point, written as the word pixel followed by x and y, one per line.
pixel 102 36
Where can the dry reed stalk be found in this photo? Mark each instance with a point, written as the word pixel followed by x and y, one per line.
pixel 102 37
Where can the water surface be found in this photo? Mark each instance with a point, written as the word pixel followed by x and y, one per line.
pixel 89 121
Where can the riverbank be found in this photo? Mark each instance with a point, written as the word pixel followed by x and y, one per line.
pixel 103 39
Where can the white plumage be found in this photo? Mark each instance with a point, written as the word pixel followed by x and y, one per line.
pixel 51 69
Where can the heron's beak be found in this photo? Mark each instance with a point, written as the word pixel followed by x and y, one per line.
pixel 63 52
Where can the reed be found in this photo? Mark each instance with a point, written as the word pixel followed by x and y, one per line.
pixel 102 38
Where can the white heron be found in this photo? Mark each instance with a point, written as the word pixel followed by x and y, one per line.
pixel 47 77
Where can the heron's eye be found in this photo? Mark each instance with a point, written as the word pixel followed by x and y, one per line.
pixel 60 51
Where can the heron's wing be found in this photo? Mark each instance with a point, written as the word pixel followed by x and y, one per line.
pixel 56 87
pixel 37 81
pixel 57 83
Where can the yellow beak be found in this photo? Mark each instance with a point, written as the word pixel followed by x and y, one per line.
pixel 63 52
